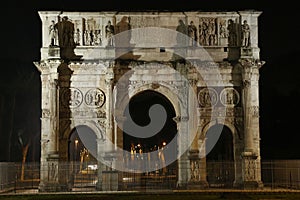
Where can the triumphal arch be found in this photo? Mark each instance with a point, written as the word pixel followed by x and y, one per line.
pixel 173 95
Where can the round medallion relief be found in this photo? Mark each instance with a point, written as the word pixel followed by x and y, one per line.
pixel 229 97
pixel 71 97
pixel 94 97
pixel 207 97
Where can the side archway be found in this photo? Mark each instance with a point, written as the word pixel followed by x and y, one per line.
pixel 220 156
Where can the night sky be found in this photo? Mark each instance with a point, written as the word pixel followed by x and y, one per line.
pixel 279 31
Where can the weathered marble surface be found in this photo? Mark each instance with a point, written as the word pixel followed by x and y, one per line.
pixel 221 70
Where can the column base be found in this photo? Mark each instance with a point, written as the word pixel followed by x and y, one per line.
pixel 238 185
pixel 99 186
pixel 252 185
pixel 181 185
pixel 197 185
pixel 110 181
pixel 53 187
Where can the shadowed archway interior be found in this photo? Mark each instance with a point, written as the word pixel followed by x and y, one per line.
pixel 82 144
pixel 220 160
pixel 139 107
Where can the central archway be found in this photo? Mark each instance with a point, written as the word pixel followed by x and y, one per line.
pixel 139 106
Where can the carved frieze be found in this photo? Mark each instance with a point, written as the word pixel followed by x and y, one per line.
pixel 88 113
pixel 221 112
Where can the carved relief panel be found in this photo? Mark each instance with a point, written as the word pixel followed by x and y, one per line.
pixel 92 32
pixel 217 31
pixel 195 170
pixel 208 31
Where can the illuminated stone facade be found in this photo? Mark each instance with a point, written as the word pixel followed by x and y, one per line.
pixel 218 61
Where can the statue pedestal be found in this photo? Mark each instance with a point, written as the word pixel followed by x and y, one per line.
pixel 54 52
pixel 246 52
pixel 68 54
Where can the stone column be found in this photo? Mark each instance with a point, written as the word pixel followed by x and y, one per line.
pixel 109 127
pixel 101 166
pixel 251 154
pixel 49 175
pixel 198 170
pixel 183 160
pixel 197 158
pixel 110 176
pixel 107 176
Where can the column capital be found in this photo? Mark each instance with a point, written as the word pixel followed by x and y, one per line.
pixel 251 63
pixel 249 154
pixel 178 119
pixel 48 66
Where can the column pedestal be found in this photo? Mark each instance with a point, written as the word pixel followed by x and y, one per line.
pixel 110 176
pixel 250 179
pixel 198 171
pixel 107 177
pixel 55 172
pixel 183 175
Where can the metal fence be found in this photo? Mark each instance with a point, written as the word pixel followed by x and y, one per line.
pixel 7 176
pixel 281 174
pixel 12 180
pixel 275 174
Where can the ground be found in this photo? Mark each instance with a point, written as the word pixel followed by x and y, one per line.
pixel 159 196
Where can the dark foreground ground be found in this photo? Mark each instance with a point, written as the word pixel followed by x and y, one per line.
pixel 157 196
